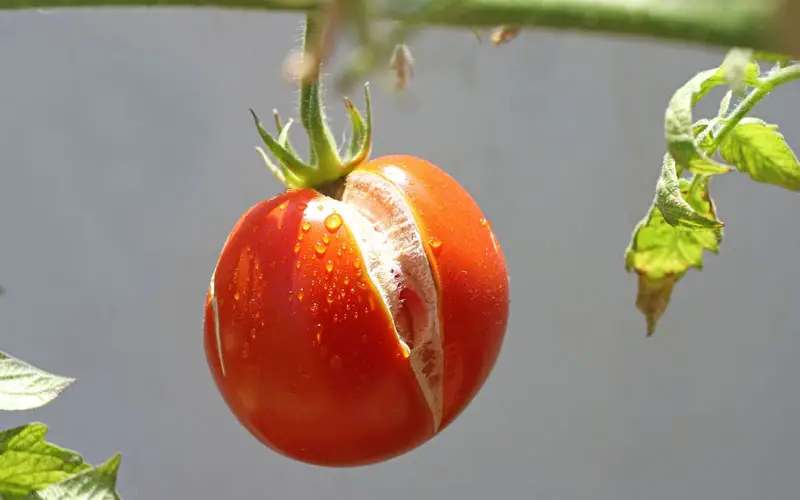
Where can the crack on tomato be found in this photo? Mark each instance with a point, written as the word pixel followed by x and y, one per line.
pixel 215 312
pixel 397 263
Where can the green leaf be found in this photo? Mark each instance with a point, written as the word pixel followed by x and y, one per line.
pixel 699 165
pixel 759 150
pixel 99 483
pixel 24 387
pixel 675 210
pixel 661 253
pixel 28 463
pixel 679 128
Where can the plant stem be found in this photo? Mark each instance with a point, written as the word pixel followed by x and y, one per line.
pixel 757 24
pixel 766 85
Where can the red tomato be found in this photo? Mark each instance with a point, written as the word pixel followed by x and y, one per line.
pixel 346 331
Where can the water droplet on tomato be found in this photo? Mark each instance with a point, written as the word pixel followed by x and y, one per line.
pixel 326 239
pixel 306 226
pixel 314 307
pixel 346 280
pixel 357 263
pixel 283 206
pixel 329 298
pixel 301 206
pixel 300 295
pixel 339 252
pixel 434 242
pixel 297 265
pixel 320 248
pixel 300 237
pixel 329 266
pixel 236 296
pixel 333 222
pixel 297 248
pixel 485 223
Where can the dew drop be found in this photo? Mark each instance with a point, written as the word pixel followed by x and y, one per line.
pixel 297 247
pixel 300 295
pixel 339 252
pixel 297 265
pixel 346 280
pixel 301 206
pixel 434 242
pixel 326 239
pixel 320 248
pixel 333 222
pixel 357 263
pixel 314 307
pixel 329 266
pixel 236 296
pixel 283 206
pixel 306 226
pixel 300 237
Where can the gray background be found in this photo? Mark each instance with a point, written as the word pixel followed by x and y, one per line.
pixel 127 156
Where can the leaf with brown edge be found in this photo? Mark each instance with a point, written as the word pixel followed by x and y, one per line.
pixel 653 297
pixel 661 253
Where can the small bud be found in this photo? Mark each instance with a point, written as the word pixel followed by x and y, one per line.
pixel 505 34
pixel 402 64
pixel 299 66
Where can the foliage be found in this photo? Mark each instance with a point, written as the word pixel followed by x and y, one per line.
pixel 30 467
pixel 682 222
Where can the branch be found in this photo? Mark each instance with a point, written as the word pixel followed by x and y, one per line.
pixel 759 24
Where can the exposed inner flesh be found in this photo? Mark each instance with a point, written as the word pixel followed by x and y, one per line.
pixel 395 260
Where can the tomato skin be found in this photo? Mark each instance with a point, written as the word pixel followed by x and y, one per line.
pixel 301 347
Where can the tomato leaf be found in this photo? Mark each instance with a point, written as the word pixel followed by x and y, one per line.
pixel 24 387
pixel 675 210
pixel 94 484
pixel 661 253
pixel 28 463
pixel 679 128
pixel 759 150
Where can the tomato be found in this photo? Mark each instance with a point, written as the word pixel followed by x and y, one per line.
pixel 348 328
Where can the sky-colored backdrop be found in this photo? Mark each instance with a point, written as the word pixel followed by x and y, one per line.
pixel 127 156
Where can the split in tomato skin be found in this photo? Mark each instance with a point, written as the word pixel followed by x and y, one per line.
pixel 471 272
pixel 301 340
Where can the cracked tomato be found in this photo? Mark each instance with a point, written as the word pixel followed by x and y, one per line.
pixel 348 328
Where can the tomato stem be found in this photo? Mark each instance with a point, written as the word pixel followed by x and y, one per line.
pixel 325 165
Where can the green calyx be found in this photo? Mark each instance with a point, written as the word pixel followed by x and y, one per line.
pixel 326 163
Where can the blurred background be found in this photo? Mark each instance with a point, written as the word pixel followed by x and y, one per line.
pixel 127 156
